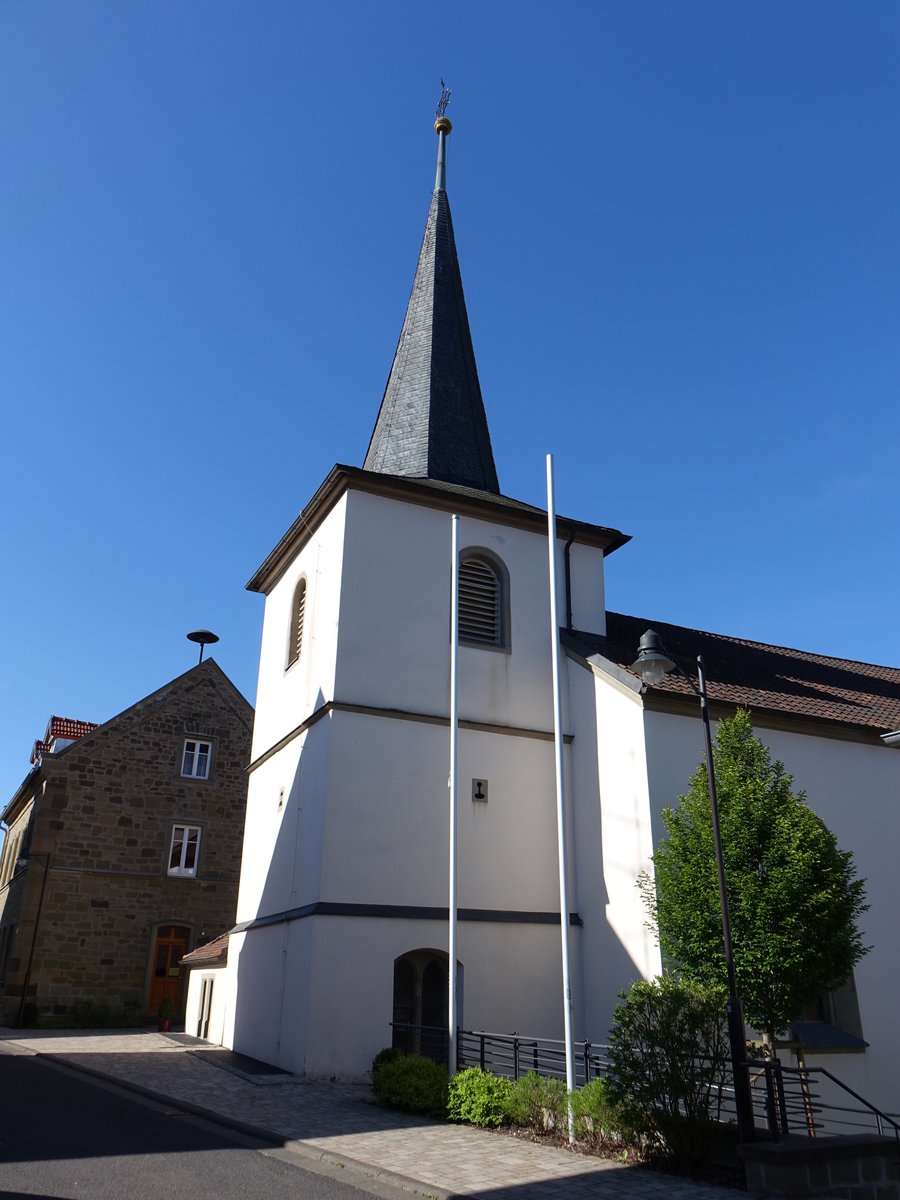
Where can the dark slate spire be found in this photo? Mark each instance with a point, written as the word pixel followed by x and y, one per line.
pixel 431 424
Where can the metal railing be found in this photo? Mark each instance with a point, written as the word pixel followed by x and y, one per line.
pixel 511 1055
pixel 431 1041
pixel 786 1100
pixel 811 1101
pixel 514 1055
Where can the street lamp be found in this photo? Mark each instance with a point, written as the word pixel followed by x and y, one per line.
pixel 23 860
pixel 653 664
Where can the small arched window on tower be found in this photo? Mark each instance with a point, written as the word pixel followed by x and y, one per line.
pixel 295 635
pixel 483 600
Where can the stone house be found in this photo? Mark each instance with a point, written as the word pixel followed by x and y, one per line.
pixel 342 921
pixel 123 850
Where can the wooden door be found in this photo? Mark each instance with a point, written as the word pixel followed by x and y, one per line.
pixel 167 978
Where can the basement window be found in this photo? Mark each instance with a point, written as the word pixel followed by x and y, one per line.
pixel 483 600
pixel 196 758
pixel 184 850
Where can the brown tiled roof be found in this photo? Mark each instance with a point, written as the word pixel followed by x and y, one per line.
pixel 211 954
pixel 60 727
pixel 758 676
pixel 68 727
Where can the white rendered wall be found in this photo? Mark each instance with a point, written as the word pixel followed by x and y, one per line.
pixel 611 833
pixel 218 976
pixel 854 788
pixel 587 589
pixel 394 648
pixel 511 981
pixel 192 1003
pixel 387 818
pixel 286 800
pixel 286 697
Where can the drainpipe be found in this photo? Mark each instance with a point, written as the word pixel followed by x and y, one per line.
pixel 45 866
pixel 568 560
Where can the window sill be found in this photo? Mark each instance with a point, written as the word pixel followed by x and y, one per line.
pixel 819 1037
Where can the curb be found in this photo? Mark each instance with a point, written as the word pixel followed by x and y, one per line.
pixel 294 1146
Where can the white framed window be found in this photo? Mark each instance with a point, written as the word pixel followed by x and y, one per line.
pixel 483 600
pixel 184 850
pixel 196 758
pixel 295 633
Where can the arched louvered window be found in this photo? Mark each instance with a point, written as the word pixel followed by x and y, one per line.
pixel 483 600
pixel 298 610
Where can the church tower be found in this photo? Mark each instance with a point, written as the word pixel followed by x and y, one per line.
pixel 341 932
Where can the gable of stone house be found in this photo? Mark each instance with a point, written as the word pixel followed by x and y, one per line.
pixel 111 798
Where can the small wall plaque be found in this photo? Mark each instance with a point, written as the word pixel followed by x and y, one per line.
pixel 480 790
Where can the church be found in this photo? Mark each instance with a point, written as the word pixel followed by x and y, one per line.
pixel 342 918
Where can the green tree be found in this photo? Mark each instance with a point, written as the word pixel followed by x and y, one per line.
pixel 793 896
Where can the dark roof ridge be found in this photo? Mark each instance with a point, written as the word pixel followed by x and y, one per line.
pixel 762 676
pixel 727 637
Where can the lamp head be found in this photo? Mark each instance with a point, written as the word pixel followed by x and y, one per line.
pixel 652 662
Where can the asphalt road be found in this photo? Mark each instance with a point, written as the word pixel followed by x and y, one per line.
pixel 65 1137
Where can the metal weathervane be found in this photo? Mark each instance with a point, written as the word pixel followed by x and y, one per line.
pixel 444 100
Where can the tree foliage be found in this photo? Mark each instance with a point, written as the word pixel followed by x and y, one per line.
pixel 793 896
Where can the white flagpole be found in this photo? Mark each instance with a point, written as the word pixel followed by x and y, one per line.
pixel 560 796
pixel 454 732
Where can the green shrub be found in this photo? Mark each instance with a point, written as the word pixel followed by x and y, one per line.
pixel 131 1016
pixel 539 1103
pixel 29 1015
pixel 478 1097
pixel 387 1055
pixel 668 1057
pixel 412 1084
pixel 93 1014
pixel 600 1122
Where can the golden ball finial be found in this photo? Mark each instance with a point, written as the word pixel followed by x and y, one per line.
pixel 442 125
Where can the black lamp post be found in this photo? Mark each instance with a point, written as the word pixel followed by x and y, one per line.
pixel 652 664
pixel 23 860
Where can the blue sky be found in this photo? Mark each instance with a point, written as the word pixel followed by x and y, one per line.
pixel 678 233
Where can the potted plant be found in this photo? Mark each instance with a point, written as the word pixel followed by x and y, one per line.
pixel 164 1015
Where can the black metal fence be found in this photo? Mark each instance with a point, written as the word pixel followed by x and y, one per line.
pixel 431 1041
pixel 786 1100
pixel 514 1055
pixel 812 1101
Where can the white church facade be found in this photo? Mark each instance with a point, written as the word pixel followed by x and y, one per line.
pixel 342 920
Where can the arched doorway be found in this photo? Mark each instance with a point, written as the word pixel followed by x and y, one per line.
pixel 421 1003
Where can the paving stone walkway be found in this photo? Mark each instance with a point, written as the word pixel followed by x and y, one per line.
pixel 342 1123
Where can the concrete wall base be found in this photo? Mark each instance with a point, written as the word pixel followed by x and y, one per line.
pixel 863 1167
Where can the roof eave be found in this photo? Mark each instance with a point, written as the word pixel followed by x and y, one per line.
pixel 765 716
pixel 464 501
pixel 20 792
